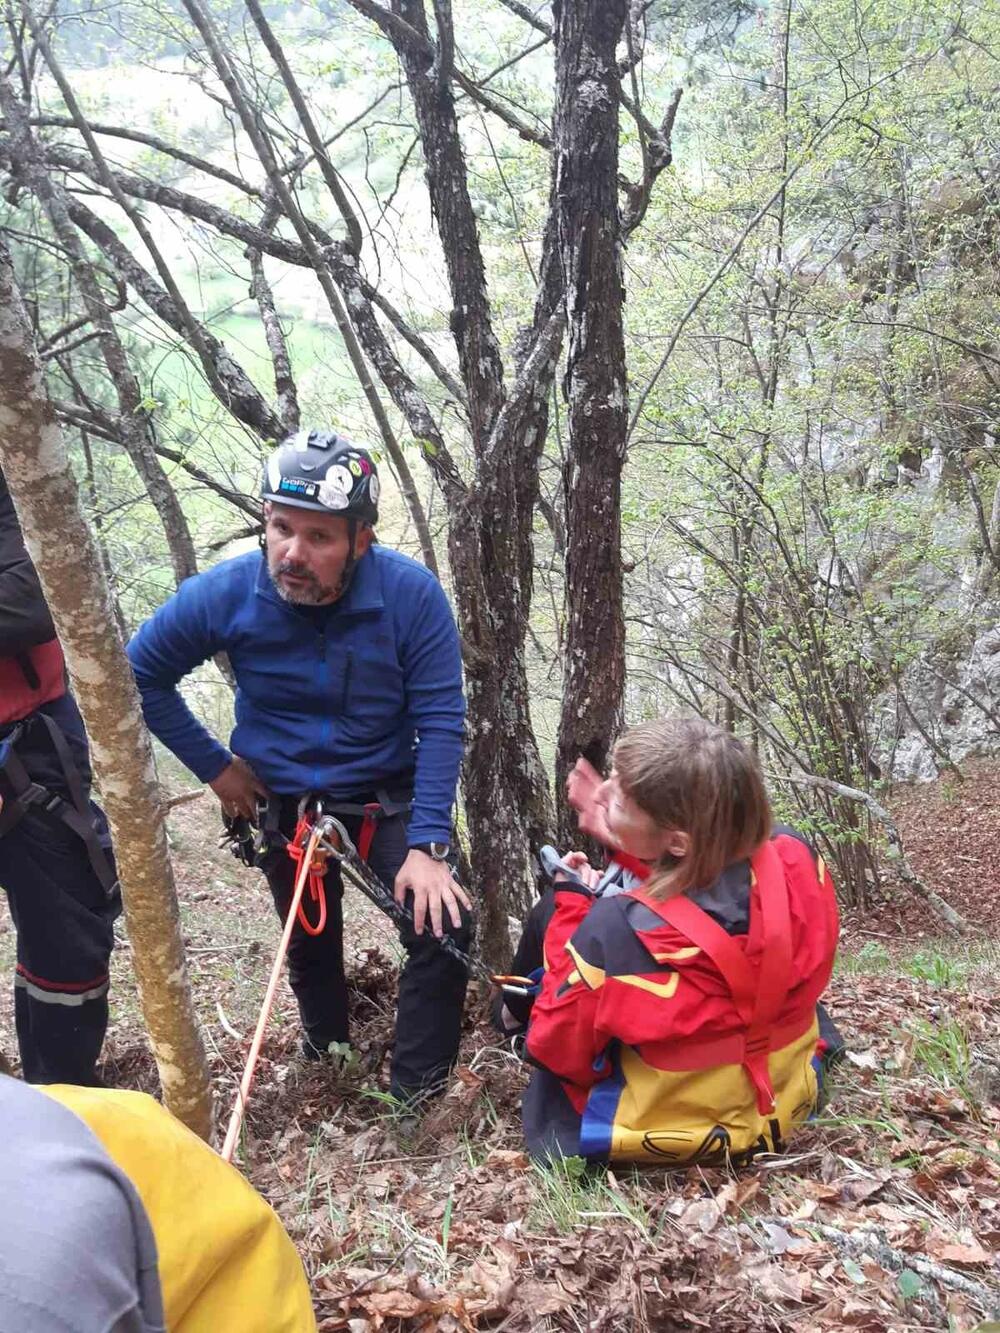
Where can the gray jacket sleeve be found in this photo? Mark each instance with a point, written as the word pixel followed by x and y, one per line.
pixel 77 1253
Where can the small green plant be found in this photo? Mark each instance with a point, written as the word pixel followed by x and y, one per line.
pixel 478 1137
pixel 309 1187
pixel 910 1284
pixel 943 1051
pixel 935 969
pixel 400 1115
pixel 446 1223
pixel 872 957
pixel 571 1193
pixel 344 1055
pixel 889 1130
pixel 948 790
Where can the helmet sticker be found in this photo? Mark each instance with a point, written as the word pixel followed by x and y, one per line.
pixel 355 467
pixel 335 488
pixel 273 473
pixel 373 488
pixel 300 440
pixel 305 490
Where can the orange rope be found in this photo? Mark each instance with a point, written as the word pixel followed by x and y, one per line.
pixel 317 870
pixel 243 1096
pixel 317 892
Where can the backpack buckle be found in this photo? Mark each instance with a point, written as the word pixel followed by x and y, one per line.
pixel 36 794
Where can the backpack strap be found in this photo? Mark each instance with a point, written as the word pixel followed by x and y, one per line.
pixel 758 992
pixel 75 814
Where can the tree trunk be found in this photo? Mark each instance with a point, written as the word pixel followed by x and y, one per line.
pixel 489 541
pixel 37 469
pixel 590 240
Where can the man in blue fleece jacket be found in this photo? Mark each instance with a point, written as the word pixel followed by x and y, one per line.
pixel 349 689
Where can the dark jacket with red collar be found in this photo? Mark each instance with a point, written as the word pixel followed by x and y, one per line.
pixel 32 671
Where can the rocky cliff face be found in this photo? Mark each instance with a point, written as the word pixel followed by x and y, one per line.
pixel 958 707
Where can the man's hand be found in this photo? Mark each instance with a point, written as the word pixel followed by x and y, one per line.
pixel 581 788
pixel 433 888
pixel 238 787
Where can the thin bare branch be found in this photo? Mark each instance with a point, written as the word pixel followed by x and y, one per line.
pixel 895 851
pixel 136 431
pixel 239 395
pixel 832 123
pixel 524 12
pixel 180 201
pixel 262 147
pixel 510 118
pixel 277 345
pixel 330 176
pixel 151 141
pixel 419 345
pixel 395 28
pixel 192 328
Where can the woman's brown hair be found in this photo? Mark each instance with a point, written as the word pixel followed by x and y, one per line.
pixel 691 775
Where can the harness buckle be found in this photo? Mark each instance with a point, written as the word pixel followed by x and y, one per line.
pixel 36 794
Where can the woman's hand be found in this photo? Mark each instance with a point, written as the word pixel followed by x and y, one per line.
pixel 578 863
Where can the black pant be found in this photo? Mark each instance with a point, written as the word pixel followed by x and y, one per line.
pixel 432 985
pixel 64 922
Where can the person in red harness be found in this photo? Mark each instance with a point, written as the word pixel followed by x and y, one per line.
pixel 677 1016
pixel 56 865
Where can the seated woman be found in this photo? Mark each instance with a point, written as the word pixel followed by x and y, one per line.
pixel 676 1020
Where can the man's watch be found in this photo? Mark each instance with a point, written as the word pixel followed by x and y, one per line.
pixel 438 851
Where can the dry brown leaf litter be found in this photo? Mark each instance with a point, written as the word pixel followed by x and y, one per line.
pixel 884 1216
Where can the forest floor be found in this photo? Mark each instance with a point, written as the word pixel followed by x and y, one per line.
pixel 884 1216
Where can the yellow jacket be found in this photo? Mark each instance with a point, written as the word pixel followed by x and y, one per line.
pixel 226 1263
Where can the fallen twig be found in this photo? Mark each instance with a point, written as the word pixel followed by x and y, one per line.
pixel 227 1027
pixel 872 1245
pixel 394 1263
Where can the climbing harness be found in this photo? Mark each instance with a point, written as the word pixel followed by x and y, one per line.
pixel 357 871
pixel 319 838
pixel 251 844
pixel 27 795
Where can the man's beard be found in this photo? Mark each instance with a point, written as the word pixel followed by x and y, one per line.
pixel 310 593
